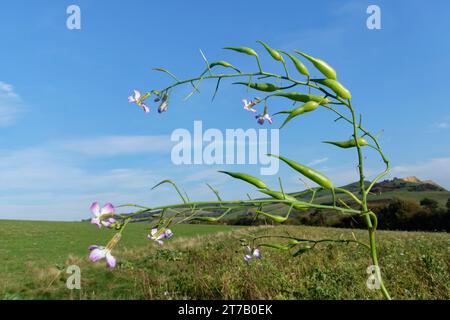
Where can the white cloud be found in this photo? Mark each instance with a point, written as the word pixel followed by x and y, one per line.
pixel 118 145
pixel 47 182
pixel 317 161
pixel 50 182
pixel 443 125
pixel 10 104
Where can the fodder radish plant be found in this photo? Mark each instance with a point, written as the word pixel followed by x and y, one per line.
pixel 307 94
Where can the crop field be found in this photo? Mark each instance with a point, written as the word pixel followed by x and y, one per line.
pixel 206 262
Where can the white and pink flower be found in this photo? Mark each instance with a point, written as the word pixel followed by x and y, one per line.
pixel 249 104
pixel 103 216
pixel 137 99
pixel 98 253
pixel 159 235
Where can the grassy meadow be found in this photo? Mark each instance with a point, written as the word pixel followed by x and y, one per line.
pixel 206 262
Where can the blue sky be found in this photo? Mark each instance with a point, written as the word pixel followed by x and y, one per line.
pixel 69 136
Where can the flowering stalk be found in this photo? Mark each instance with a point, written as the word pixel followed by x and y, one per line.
pixel 331 95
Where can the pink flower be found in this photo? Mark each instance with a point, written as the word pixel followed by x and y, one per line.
pixel 99 253
pixel 248 104
pixel 137 100
pixel 158 235
pixel 102 216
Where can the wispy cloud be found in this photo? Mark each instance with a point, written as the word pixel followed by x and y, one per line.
pixel 118 145
pixel 443 125
pixel 10 104
pixel 317 161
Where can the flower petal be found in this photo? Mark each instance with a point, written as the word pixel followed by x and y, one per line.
pixel 95 209
pixel 137 95
pixel 257 254
pixel 131 99
pixel 106 223
pixel 153 232
pixel 107 209
pixel 110 260
pixel 96 221
pixel 168 233
pixel 145 108
pixel 247 258
pixel 97 254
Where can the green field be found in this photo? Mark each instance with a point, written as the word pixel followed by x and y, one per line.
pixel 205 262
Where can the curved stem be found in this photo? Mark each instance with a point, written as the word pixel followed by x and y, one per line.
pixel 364 208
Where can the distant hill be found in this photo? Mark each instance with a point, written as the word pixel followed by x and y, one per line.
pixel 409 183
pixel 383 194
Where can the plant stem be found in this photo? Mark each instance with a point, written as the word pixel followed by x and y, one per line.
pixel 364 208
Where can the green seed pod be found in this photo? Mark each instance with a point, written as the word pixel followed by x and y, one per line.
pixel 307 107
pixel 349 143
pixel 336 86
pixel 298 64
pixel 279 196
pixel 310 173
pixel 223 64
pixel 247 178
pixel 274 53
pixel 267 87
pixel 301 97
pixel 321 65
pixel 275 218
pixel 245 50
pixel 207 219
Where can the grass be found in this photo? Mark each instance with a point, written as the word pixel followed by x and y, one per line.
pixel 41 244
pixel 205 262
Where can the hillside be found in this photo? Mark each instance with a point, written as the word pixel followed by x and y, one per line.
pixel 410 191
pixel 386 194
